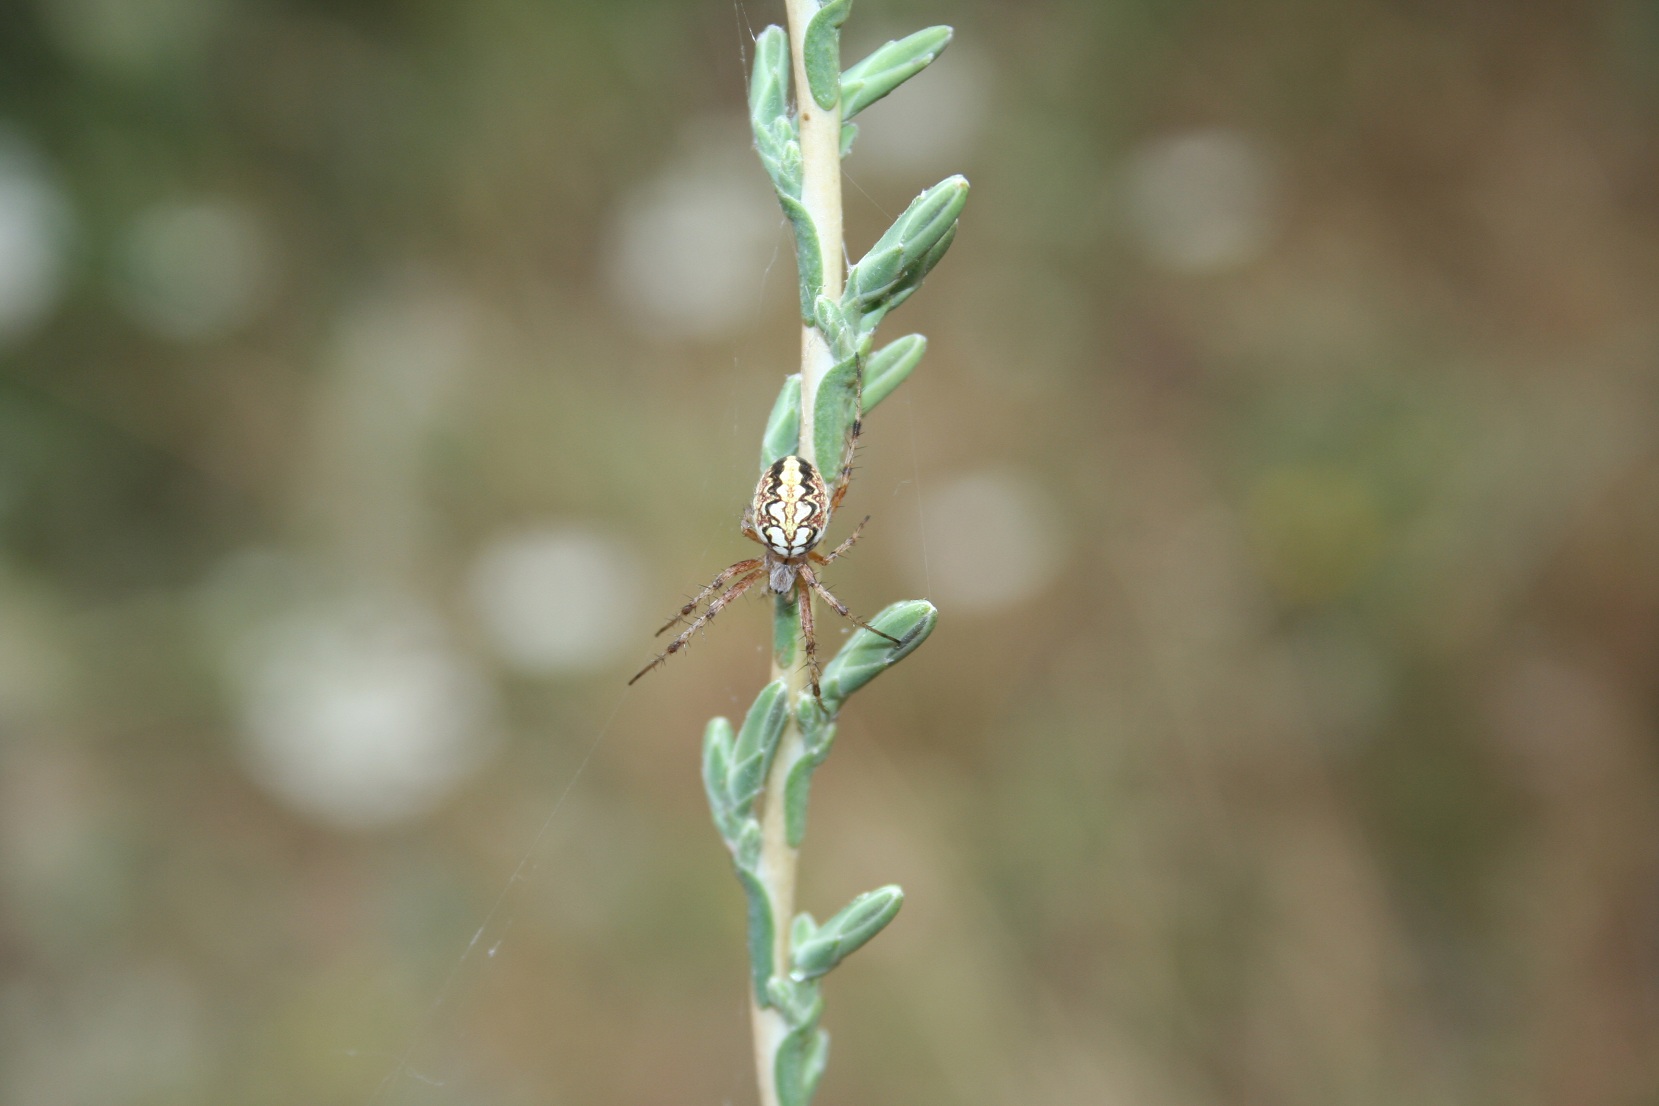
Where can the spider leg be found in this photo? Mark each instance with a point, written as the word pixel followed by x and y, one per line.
pixel 735 570
pixel 808 636
pixel 824 559
pixel 811 578
pixel 845 472
pixel 715 608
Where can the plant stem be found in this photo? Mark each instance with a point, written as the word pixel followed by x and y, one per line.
pixel 820 138
pixel 820 133
pixel 776 871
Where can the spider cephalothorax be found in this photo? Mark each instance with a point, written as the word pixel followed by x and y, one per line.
pixel 788 517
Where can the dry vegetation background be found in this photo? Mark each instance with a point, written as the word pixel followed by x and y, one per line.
pixel 375 374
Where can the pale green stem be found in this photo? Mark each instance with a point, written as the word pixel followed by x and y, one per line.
pixel 820 136
pixel 820 132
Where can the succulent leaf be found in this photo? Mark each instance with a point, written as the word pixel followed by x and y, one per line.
pixel 821 52
pixel 888 367
pixel 888 67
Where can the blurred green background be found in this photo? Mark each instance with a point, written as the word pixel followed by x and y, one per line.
pixel 375 375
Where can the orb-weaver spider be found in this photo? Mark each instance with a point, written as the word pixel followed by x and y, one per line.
pixel 788 516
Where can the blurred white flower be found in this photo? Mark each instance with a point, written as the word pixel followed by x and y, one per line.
pixel 689 251
pixel 403 343
pixel 34 231
pixel 556 599
pixel 359 712
pixel 194 270
pixel 392 373
pixel 1202 201
pixel 993 540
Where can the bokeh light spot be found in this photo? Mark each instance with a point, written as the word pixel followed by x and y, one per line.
pixel 194 270
pixel 130 36
pixel 688 249
pixel 34 228
pixel 561 598
pixel 1202 201
pixel 358 712
pixel 993 540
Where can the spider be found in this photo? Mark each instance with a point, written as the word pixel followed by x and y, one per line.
pixel 788 517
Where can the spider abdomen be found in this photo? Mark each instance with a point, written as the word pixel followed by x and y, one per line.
pixel 791 508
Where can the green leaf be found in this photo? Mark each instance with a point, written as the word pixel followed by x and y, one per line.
pixel 801 1002
pixel 889 67
pixel 786 630
pixel 834 410
pixel 717 766
pixel 875 271
pixel 849 135
pixel 813 1064
pixel 769 80
pixel 808 260
pixel 763 724
pixel 866 656
pixel 902 288
pixel 799 1065
pixel 899 260
pixel 756 744
pixel 717 756
pixel 783 426
pixel 746 853
pixel 817 735
pixel 797 786
pixel 928 217
pixel 797 789
pixel 836 403
pixel 831 321
pixel 791 167
pixel 762 931
pixel 782 162
pixel 888 367
pixel 846 933
pixel 780 155
pixel 798 1062
pixel 821 52
pixel 817 727
pixel 776 140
